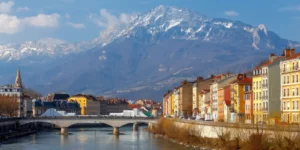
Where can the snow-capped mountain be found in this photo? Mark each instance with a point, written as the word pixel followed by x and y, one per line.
pixel 152 52
pixel 158 24
pixel 174 23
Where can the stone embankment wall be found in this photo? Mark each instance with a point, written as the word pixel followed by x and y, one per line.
pixel 242 131
pixel 213 135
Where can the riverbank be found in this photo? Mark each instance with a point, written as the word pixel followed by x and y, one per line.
pixel 194 135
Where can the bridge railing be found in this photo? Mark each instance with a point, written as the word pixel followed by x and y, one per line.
pixel 92 117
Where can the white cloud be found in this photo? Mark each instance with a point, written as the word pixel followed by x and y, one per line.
pixel 9 24
pixel 43 20
pixel 290 8
pixel 76 25
pixel 22 9
pixel 231 13
pixel 110 21
pixel 6 7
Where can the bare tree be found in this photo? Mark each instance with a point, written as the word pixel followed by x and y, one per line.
pixel 9 106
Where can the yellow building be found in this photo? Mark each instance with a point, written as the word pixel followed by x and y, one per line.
pixel 89 105
pixel 172 103
pixel 257 90
pixel 176 101
pixel 290 73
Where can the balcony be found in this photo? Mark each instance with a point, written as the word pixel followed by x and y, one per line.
pixel 290 69
pixel 264 109
pixel 214 109
pixel 207 101
pixel 264 97
pixel 264 85
pixel 265 74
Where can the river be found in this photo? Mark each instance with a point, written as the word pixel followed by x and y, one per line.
pixel 92 139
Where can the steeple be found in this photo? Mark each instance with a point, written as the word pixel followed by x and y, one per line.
pixel 18 82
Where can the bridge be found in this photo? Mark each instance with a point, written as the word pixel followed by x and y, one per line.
pixel 65 122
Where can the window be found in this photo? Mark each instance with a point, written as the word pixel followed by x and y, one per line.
pixel 293 92
pixel 260 106
pixel 297 78
pixel 293 77
pixel 293 105
pixel 284 105
pixel 287 79
pixel 297 104
pixel 293 66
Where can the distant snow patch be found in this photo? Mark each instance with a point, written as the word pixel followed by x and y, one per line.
pixel 263 27
pixel 184 69
pixel 173 23
pixel 225 24
pixel 201 28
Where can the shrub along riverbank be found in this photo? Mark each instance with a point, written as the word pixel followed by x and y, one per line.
pixel 191 135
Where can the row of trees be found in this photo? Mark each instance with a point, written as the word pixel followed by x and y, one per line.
pixel 8 106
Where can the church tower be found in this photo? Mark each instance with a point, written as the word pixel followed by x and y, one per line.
pixel 18 82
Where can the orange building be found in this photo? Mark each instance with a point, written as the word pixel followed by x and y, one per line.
pixel 221 105
pixel 237 96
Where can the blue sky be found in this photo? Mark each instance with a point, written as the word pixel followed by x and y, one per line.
pixel 73 20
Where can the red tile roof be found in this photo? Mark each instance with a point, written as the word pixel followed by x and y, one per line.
pixel 242 79
pixel 293 56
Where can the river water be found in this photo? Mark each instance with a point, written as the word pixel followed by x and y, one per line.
pixel 92 139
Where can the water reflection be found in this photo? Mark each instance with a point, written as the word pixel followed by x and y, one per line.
pixel 33 139
pixel 93 138
pixel 63 139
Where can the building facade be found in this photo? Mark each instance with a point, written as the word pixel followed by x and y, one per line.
pixel 290 72
pixel 257 90
pixel 176 96
pixel 238 87
pixel 89 105
pixel 218 83
pixel 227 103
pixel 14 93
pixel 186 99
pixel 248 105
pixel 221 104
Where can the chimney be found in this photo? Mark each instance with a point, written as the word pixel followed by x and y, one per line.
pixel 289 52
pixel 184 82
pixel 272 57
pixel 199 78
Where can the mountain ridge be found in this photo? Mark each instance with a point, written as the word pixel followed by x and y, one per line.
pixel 148 55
